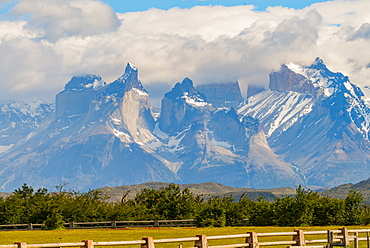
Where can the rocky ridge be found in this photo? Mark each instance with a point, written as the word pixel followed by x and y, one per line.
pixel 316 120
pixel 310 127
pixel 104 134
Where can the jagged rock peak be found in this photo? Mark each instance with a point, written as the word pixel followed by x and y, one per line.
pixel 317 67
pixel 315 79
pixel 318 60
pixel 128 81
pixel 185 87
pixel 130 66
pixel 289 78
pixel 131 72
pixel 130 78
pixel 181 106
pixel 319 64
pixel 80 83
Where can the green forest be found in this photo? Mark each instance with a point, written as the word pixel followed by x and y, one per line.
pixel 305 208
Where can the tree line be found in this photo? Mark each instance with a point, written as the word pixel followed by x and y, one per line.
pixel 305 208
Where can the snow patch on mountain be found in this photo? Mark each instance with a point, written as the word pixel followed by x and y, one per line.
pixel 140 92
pixel 195 100
pixel 277 111
pixel 31 109
pixel 223 144
pixel 97 84
pixel 314 83
pixel 359 114
pixel 5 148
pixel 19 120
pixel 81 83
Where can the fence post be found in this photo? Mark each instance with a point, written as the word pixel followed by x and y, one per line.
pixel 149 243
pixel 88 244
pixel 21 244
pixel 330 238
pixel 114 224
pixel 345 236
pixel 356 240
pixel 71 225
pixel 202 242
pixel 29 226
pixel 252 240
pixel 299 238
pixel 156 223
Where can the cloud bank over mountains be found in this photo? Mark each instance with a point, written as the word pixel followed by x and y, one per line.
pixel 44 43
pixel 56 19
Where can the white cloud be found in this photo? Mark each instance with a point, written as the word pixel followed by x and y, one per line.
pixel 63 18
pixel 206 21
pixel 363 32
pixel 62 38
pixel 27 68
pixel 296 33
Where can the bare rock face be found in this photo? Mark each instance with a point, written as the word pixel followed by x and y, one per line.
pixel 226 149
pixel 77 95
pixel 226 127
pixel 254 89
pixel 222 95
pixel 213 144
pixel 181 106
pixel 287 80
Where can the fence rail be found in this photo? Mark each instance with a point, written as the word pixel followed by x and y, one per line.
pixel 107 224
pixel 297 239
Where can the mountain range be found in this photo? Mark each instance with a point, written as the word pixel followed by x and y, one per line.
pixel 309 127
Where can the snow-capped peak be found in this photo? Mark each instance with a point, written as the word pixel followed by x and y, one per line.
pixel 80 83
pixel 320 77
pixel 332 87
pixel 130 78
pixel 187 92
pixel 130 74
pixel 295 67
pixel 131 66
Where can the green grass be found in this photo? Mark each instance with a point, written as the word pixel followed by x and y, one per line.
pixel 127 234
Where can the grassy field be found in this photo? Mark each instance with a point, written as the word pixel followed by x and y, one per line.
pixel 126 234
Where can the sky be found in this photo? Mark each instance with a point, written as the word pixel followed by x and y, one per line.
pixel 142 5
pixel 43 43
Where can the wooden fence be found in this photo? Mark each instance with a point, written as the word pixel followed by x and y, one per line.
pixel 295 239
pixel 106 224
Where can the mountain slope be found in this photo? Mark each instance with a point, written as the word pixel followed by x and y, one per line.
pixel 316 120
pixel 216 145
pixel 19 121
pixel 342 191
pixel 91 144
pixel 311 127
